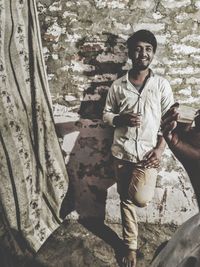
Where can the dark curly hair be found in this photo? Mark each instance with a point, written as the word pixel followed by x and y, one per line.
pixel 141 36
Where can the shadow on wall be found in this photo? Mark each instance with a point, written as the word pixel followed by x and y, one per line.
pixel 86 145
pixel 107 59
pixel 87 141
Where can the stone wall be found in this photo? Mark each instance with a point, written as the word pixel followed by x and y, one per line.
pixel 84 49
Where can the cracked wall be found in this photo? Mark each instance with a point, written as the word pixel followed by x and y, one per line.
pixel 84 50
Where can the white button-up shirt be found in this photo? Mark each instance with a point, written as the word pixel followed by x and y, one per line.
pixel 132 143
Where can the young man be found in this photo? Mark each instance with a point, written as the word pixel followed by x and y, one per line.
pixel 134 106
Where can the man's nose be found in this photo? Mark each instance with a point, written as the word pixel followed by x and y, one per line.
pixel 143 52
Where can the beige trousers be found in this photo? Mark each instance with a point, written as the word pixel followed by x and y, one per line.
pixel 136 186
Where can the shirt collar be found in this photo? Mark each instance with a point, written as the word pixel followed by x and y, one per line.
pixel 125 78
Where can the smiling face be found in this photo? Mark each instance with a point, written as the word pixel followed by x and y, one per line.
pixel 141 55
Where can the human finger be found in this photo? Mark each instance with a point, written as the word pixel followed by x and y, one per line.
pixel 148 155
pixel 168 127
pixel 135 122
pixel 171 111
pixel 152 162
pixel 149 166
pixel 167 121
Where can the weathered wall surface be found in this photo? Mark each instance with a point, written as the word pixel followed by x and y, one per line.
pixel 84 49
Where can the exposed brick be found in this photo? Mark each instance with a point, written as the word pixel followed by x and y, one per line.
pixel 85 50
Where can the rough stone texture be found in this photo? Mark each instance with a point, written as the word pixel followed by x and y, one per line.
pixel 88 243
pixel 183 249
pixel 84 49
pixel 84 44
pixel 94 244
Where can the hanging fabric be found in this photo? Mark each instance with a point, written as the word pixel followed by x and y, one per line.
pixel 33 178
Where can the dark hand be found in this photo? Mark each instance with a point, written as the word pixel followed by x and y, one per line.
pixel 184 141
pixel 169 123
pixel 131 120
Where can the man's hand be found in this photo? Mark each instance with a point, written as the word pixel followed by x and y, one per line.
pixel 169 123
pixel 131 120
pixel 152 158
pixel 183 140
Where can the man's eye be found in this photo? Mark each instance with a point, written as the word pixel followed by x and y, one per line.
pixel 149 49
pixel 137 49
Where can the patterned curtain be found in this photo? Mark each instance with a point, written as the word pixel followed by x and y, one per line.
pixel 33 178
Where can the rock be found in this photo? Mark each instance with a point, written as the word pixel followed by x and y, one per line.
pixel 92 243
pixel 87 244
pixel 183 250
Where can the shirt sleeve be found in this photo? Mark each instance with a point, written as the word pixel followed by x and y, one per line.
pixel 110 109
pixel 167 98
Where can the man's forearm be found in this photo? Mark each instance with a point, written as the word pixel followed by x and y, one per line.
pixel 161 143
pixel 184 150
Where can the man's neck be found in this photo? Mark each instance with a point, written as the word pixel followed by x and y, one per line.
pixel 138 76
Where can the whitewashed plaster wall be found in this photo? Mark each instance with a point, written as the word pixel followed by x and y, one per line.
pixel 84 49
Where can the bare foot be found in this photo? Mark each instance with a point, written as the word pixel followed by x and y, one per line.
pixel 129 260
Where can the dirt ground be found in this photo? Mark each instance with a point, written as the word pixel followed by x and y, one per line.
pixel 92 243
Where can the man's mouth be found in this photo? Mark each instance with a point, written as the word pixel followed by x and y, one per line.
pixel 143 59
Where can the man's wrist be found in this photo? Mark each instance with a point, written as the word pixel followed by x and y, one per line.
pixel 117 121
pixel 160 148
pixel 159 151
pixel 161 144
